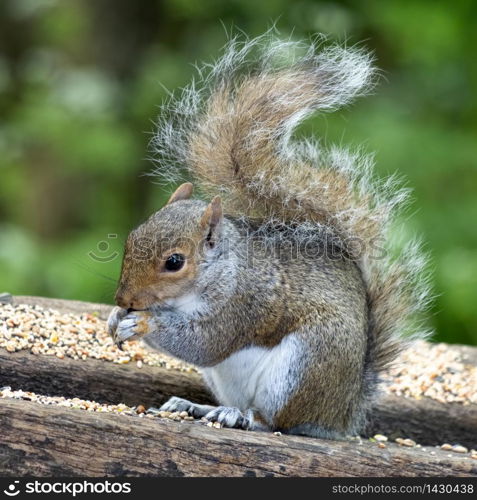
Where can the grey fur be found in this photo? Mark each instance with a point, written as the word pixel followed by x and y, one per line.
pixel 318 298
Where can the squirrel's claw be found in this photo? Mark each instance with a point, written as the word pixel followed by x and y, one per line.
pixel 117 314
pixel 133 325
pixel 231 417
pixel 127 328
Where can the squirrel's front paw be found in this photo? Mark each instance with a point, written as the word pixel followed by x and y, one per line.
pixel 117 314
pixel 134 325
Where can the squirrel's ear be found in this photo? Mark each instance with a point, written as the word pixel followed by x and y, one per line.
pixel 211 220
pixel 183 192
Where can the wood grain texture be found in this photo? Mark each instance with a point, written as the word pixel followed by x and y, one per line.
pixel 426 420
pixel 54 441
pixel 96 380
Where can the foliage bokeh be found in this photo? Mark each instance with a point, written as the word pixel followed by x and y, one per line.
pixel 80 82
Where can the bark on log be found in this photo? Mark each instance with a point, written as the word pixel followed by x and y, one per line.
pixel 54 441
pixel 426 421
pixel 100 381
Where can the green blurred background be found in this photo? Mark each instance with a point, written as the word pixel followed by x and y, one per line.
pixel 80 82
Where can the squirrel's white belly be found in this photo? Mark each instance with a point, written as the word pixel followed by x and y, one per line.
pixel 190 303
pixel 256 377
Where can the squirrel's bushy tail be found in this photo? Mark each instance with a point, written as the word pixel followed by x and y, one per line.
pixel 232 133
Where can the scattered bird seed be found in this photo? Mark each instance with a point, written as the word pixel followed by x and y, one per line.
pixel 405 442
pixel 433 371
pixel 81 404
pixel 75 403
pixel 459 449
pixel 80 337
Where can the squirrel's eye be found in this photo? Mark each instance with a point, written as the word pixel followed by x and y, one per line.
pixel 175 262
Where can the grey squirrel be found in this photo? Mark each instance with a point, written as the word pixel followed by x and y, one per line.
pixel 282 289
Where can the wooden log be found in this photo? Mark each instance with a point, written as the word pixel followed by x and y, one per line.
pixel 39 440
pixel 426 421
pixel 96 380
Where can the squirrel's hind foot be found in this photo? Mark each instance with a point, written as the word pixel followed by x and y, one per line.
pixel 179 404
pixel 231 417
pixel 224 415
